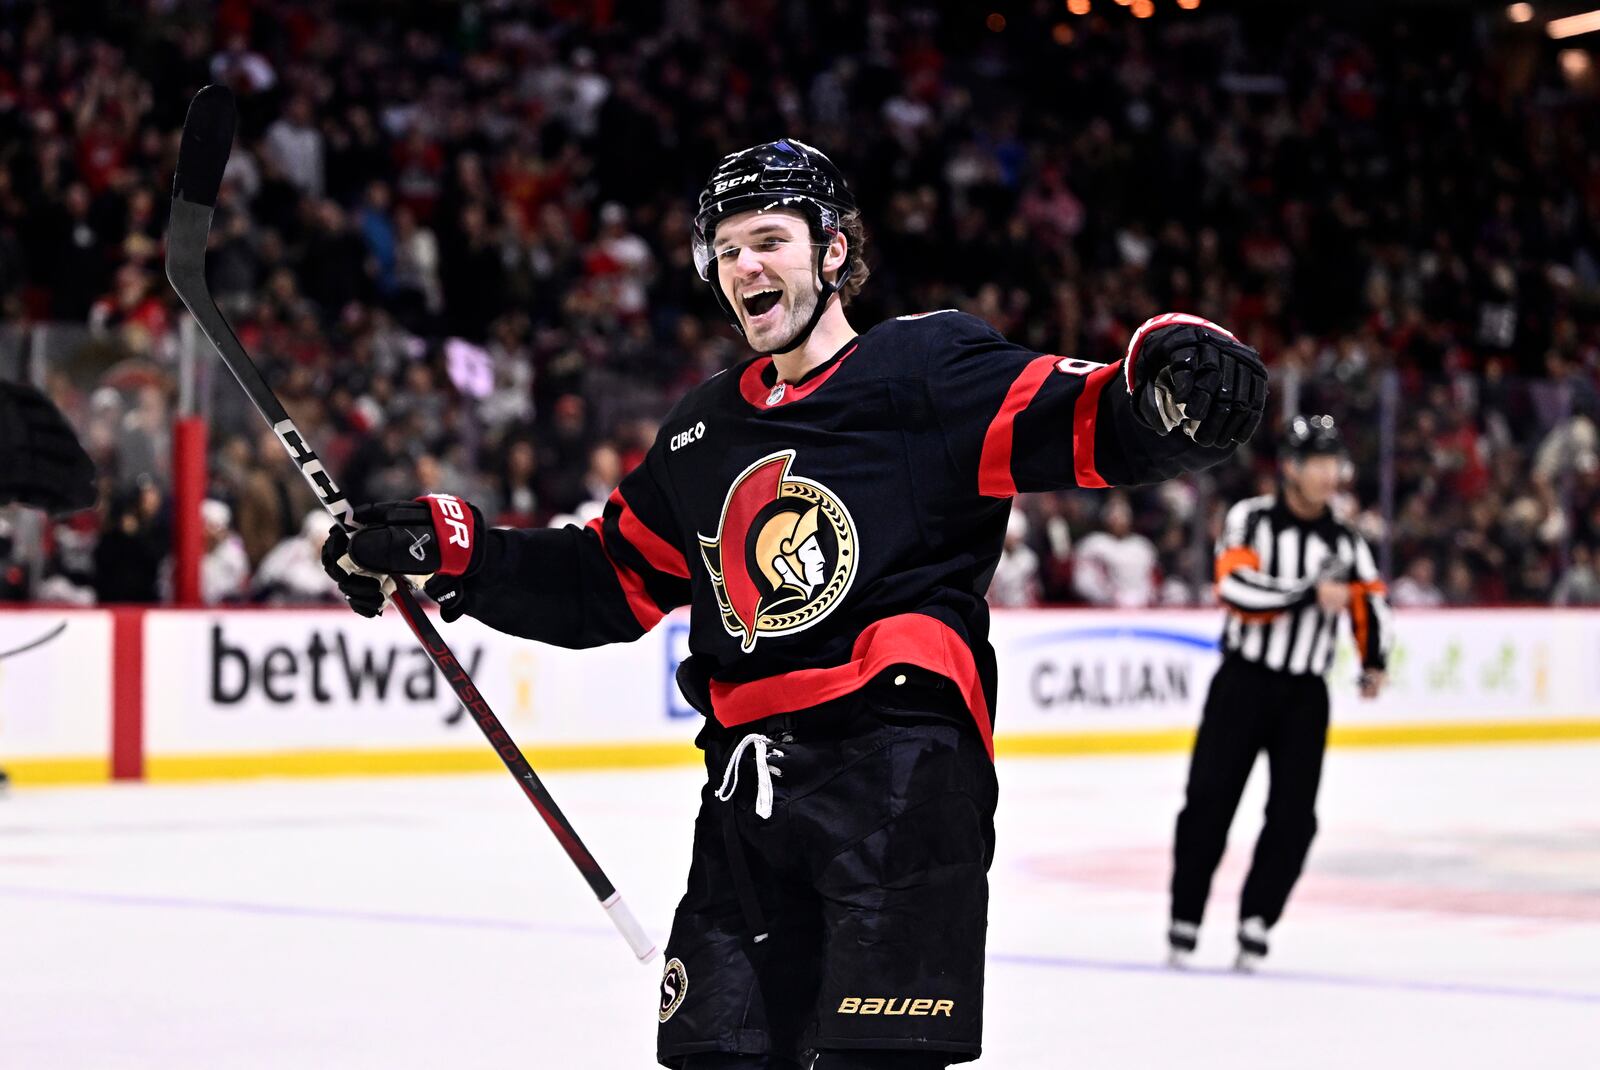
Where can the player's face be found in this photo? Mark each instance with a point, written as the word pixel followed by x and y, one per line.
pixel 766 264
pixel 1316 478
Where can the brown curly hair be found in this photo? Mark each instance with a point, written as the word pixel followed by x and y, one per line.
pixel 855 234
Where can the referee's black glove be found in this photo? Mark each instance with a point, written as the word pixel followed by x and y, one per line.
pixel 436 538
pixel 1184 371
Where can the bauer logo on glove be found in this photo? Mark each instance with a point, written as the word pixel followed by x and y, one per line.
pixel 433 539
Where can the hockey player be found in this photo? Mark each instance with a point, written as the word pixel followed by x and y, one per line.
pixel 831 510
pixel 1287 570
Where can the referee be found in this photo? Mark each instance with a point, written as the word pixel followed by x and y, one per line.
pixel 1287 570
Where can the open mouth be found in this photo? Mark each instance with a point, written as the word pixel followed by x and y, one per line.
pixel 760 302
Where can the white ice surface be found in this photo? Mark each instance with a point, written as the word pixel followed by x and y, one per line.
pixel 1450 917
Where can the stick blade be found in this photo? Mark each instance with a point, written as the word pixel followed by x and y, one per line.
pixel 207 140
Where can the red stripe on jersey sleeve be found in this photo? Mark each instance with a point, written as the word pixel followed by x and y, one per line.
pixel 644 608
pixel 662 555
pixel 1084 414
pixel 994 462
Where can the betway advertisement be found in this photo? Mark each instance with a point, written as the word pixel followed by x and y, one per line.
pixel 218 682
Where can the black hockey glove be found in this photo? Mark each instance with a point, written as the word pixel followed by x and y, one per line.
pixel 1184 371
pixel 41 461
pixel 435 538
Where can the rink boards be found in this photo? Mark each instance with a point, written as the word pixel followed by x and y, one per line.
pixel 173 694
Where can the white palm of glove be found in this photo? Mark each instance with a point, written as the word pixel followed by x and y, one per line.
pixel 385 582
pixel 1170 411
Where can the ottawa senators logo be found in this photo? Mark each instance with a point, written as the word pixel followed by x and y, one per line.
pixel 674 986
pixel 784 553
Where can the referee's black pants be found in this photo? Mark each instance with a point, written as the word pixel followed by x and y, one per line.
pixel 1249 709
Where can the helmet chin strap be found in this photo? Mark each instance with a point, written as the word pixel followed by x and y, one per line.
pixel 828 289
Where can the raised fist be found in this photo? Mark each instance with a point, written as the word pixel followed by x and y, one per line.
pixel 1184 371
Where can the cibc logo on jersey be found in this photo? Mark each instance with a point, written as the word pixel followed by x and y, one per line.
pixel 784 553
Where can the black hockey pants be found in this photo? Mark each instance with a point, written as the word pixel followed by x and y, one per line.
pixel 1249 709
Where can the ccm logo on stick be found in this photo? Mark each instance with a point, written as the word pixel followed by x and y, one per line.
pixel 683 438
pixel 312 468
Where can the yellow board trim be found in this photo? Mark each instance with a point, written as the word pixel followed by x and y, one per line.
pixel 308 763
pixel 31 772
pixel 1056 744
pixel 1403 734
pixel 1463 732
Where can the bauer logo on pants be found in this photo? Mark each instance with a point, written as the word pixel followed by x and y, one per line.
pixel 784 553
pixel 674 986
pixel 895 1005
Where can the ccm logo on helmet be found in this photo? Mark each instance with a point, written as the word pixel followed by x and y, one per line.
pixel 683 438
pixel 728 183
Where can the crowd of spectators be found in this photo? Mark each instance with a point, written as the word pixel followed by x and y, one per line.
pixel 456 239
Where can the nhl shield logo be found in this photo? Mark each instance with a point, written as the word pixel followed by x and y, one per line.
pixel 784 553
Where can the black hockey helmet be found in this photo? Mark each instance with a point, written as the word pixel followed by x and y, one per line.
pixel 779 174
pixel 1310 436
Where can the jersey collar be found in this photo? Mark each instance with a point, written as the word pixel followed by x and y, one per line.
pixel 761 388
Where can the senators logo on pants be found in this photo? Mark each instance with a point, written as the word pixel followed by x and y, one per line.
pixel 784 553
pixel 674 986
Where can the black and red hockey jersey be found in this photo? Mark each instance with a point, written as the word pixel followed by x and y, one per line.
pixel 825 530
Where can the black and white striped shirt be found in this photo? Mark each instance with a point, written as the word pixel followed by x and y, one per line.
pixel 1269 563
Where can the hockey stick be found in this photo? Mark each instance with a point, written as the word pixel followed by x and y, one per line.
pixel 41 641
pixel 202 155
